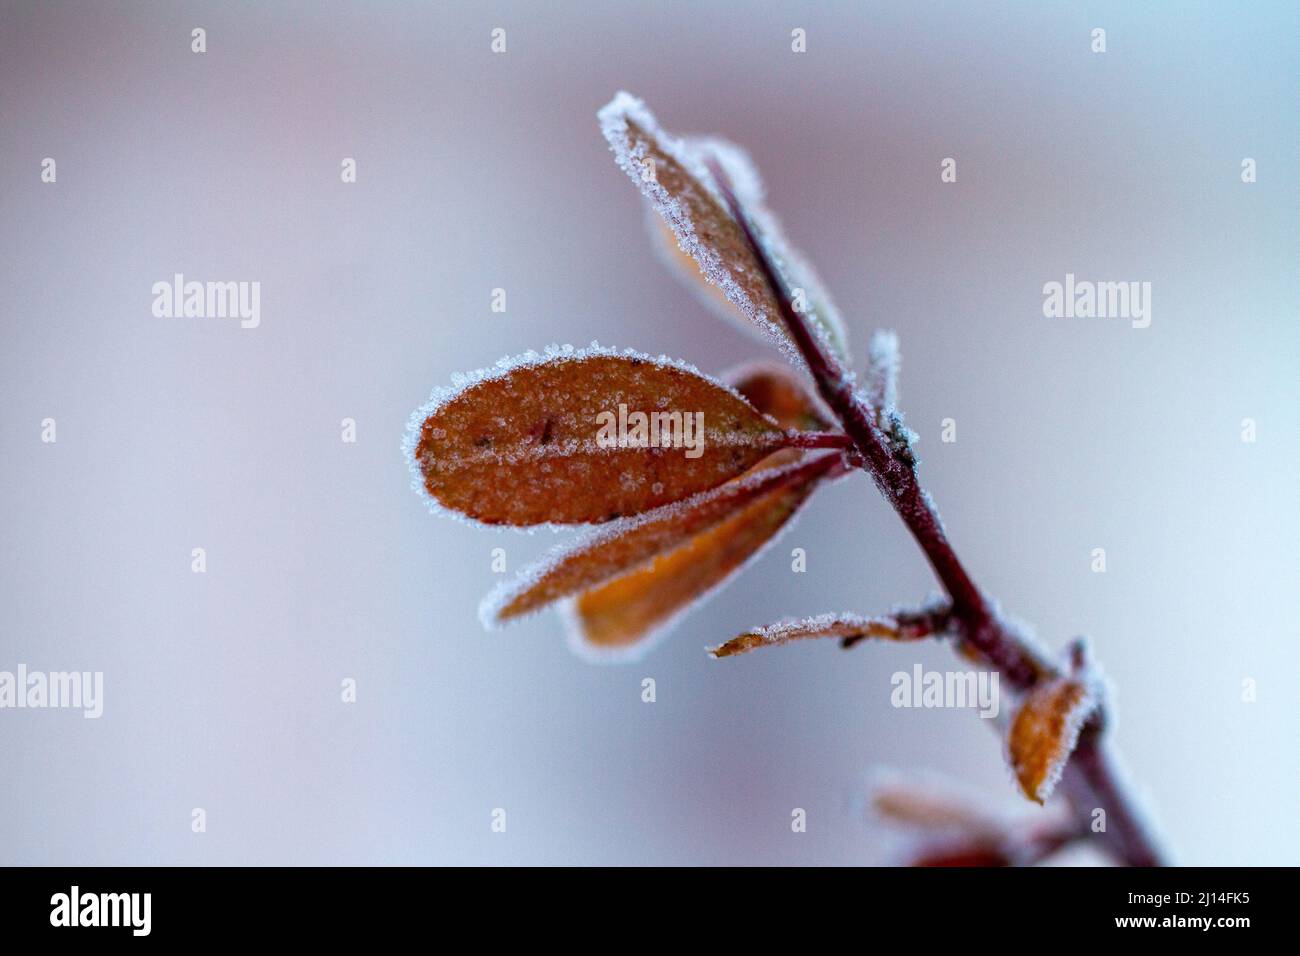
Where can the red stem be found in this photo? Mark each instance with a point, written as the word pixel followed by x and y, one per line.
pixel 1090 779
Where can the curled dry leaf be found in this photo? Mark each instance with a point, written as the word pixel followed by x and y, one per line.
pixel 849 628
pixel 1045 731
pixel 615 548
pixel 622 613
pixel 522 445
pixel 673 175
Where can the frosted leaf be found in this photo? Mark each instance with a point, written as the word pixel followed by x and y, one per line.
pixel 673 175
pixel 1045 730
pixel 521 443
pixel 933 618
pixel 610 550
pixel 623 617
pixel 683 266
pixel 883 359
pixel 848 627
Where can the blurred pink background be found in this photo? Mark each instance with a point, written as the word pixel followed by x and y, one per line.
pixel 477 171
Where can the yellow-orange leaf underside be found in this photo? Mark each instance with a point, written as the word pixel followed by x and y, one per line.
pixel 1045 731
pixel 621 612
pixel 606 555
pixel 520 448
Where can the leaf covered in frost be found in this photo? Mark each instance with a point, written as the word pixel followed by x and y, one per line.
pixel 849 628
pixel 1045 731
pixel 541 439
pixel 883 360
pixel 621 614
pixel 615 548
pixel 680 263
pixel 673 175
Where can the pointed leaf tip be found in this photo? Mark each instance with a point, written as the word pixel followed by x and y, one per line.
pixel 849 628
pixel 673 175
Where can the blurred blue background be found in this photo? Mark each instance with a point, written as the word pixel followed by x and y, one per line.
pixel 479 170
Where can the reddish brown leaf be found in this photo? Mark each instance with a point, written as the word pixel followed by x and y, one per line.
pixel 616 548
pixel 527 443
pixel 778 393
pixel 673 175
pixel 1044 732
pixel 619 614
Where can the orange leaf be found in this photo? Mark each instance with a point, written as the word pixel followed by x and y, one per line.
pixel 615 548
pixel 673 175
pixel 1045 730
pixel 778 393
pixel 617 616
pixel 849 627
pixel 554 439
